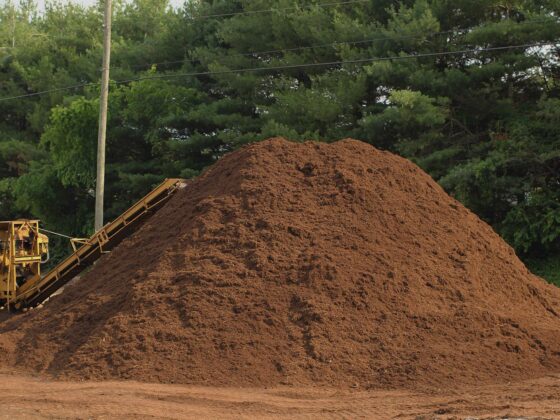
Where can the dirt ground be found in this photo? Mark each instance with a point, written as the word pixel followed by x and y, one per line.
pixel 27 397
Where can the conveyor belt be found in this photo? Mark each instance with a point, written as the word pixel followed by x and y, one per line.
pixel 33 293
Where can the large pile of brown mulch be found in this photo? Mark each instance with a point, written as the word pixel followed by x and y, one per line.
pixel 285 263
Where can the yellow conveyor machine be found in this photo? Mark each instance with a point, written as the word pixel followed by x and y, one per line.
pixel 23 248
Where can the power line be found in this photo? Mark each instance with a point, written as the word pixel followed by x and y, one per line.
pixel 282 9
pixel 42 92
pixel 294 66
pixel 252 12
pixel 308 47
pixel 332 63
pixel 332 44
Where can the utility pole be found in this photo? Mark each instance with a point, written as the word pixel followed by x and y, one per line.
pixel 13 24
pixel 102 132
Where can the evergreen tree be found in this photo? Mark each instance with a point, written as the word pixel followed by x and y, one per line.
pixel 452 85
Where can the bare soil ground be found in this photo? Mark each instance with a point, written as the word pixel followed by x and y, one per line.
pixel 28 397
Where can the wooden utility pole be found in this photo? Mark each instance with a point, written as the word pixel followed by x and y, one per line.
pixel 13 24
pixel 102 132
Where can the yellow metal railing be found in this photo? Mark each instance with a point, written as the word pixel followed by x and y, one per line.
pixel 34 292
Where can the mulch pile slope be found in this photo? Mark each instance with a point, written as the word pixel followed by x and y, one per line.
pixel 285 263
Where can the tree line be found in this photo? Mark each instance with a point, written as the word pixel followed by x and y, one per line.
pixel 467 89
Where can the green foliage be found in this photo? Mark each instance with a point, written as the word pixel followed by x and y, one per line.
pixel 548 268
pixel 484 124
pixel 514 182
pixel 40 193
pixel 534 223
pixel 8 210
pixel 71 139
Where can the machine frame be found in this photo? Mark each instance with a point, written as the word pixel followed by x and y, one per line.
pixel 22 251
pixel 21 283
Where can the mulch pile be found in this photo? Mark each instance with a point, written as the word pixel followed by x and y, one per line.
pixel 285 263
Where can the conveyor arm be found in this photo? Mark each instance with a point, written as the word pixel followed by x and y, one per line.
pixel 34 292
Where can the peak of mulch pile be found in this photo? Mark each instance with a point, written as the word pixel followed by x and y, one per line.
pixel 285 263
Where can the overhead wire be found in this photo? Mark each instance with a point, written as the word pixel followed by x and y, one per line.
pixel 290 66
pixel 332 63
pixel 307 47
pixel 43 92
pixel 330 44
pixel 281 9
